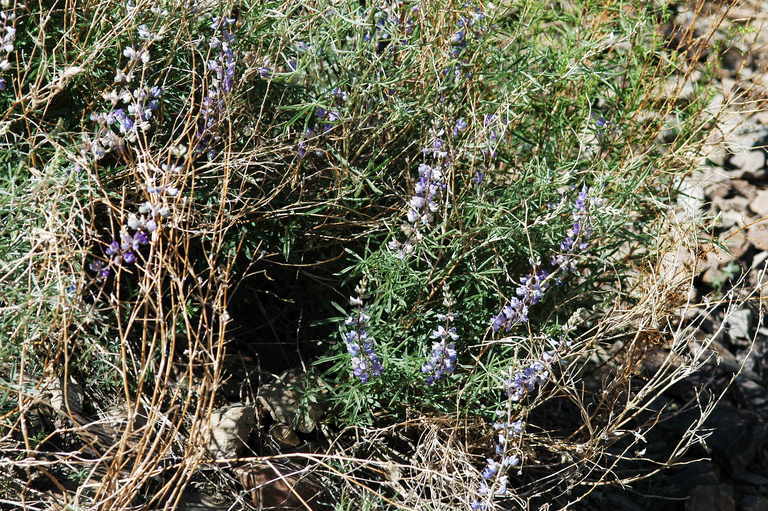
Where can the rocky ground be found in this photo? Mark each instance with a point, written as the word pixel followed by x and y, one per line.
pixel 730 186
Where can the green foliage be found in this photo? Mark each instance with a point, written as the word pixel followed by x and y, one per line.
pixel 293 184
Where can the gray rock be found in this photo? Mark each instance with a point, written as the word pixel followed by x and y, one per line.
pixel 711 498
pixel 701 473
pixel 283 401
pixel 733 59
pixel 753 392
pixel 74 395
pixel 754 503
pixel 740 324
pixel 758 236
pixel 229 430
pixel 760 203
pixel 737 437
pixel 749 161
pixel 752 479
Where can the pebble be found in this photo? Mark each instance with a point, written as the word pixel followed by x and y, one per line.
pixel 229 430
pixel 754 503
pixel 749 161
pixel 760 203
pixel 739 322
pixel 758 236
pixel 711 498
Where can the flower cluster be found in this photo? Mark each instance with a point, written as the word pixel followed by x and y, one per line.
pixel 471 24
pixel 534 285
pixel 7 41
pixel 422 208
pixel 365 362
pixel 495 480
pixel 493 128
pixel 534 375
pixel 518 385
pixel 389 22
pixel 151 213
pixel 469 28
pixel 530 292
pixel 442 360
pixel 326 119
pixel 221 68
pixel 131 119
pixel 577 237
pixel 133 108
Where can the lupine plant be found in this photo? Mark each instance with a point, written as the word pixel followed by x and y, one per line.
pixel 365 362
pixel 201 183
pixel 7 40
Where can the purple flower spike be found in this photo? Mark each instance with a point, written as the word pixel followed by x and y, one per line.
pixel 112 249
pixel 534 286
pixel 365 362
pixel 460 126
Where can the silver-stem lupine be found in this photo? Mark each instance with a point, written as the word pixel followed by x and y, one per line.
pixel 150 214
pixel 139 106
pixel 360 346
pixel 425 201
pixel 494 475
pixel 422 208
pixel 120 253
pixel 534 285
pixel 577 237
pixel 7 42
pixel 389 21
pixel 517 386
pixel 442 359
pixel 529 378
pixel 221 69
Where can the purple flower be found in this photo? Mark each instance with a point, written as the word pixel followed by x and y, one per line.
pixel 365 362
pixel 577 237
pixel 101 269
pixel 535 284
pixel 112 249
pixel 460 126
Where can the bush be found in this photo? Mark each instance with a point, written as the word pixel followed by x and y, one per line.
pixel 447 214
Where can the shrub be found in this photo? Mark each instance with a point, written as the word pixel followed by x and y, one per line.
pixel 477 189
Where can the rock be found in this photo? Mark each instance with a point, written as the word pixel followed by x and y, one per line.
pixel 730 218
pixel 693 475
pixel 745 188
pixel 229 430
pixel 752 479
pixel 676 266
pixel 736 203
pixel 760 203
pixel 733 59
pixel 55 388
pixel 744 136
pixel 749 161
pixel 754 503
pixel 283 400
pixel 739 323
pixel 758 236
pixel 762 117
pixel 737 437
pixel 734 245
pixel 691 198
pixel 711 498
pixel 281 485
pixel 754 393
pixel 284 435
